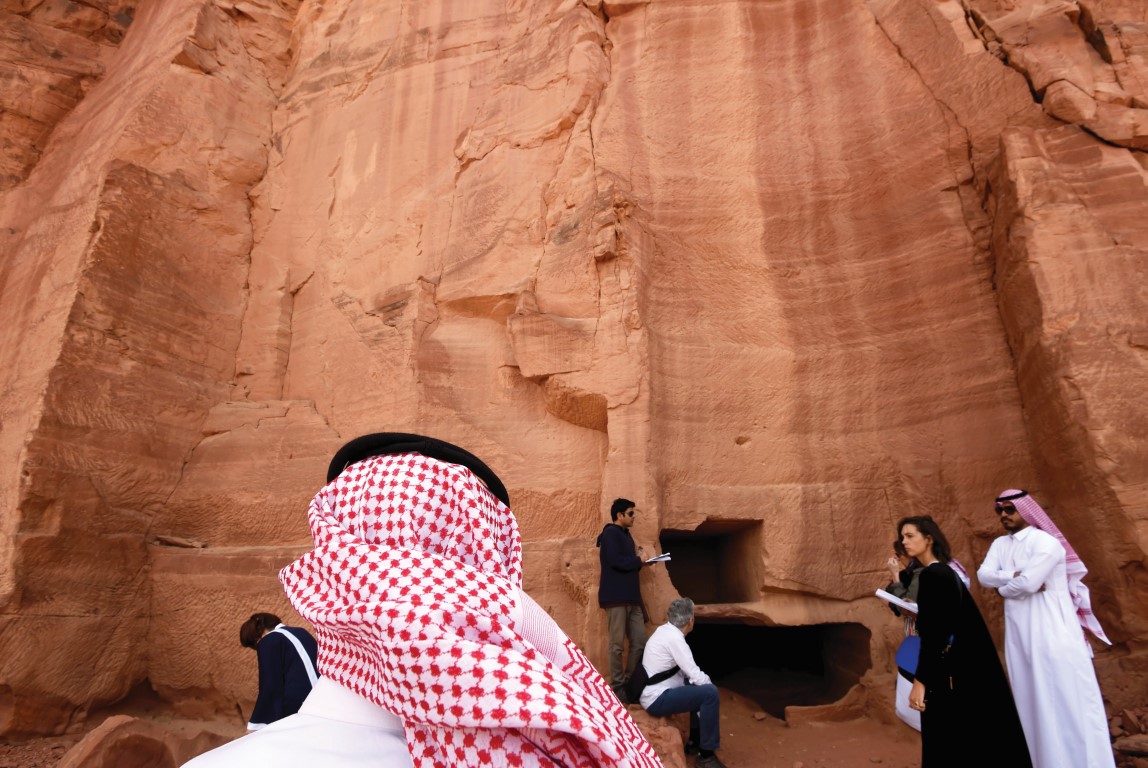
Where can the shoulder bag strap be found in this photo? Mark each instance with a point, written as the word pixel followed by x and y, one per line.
pixel 302 653
pixel 654 679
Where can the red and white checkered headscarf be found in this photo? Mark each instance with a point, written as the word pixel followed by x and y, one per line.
pixel 414 589
pixel 1034 515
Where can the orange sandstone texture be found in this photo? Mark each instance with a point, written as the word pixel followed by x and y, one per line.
pixel 780 272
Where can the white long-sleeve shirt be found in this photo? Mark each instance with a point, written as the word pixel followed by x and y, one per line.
pixel 666 648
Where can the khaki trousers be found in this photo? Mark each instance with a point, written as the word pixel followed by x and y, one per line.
pixel 625 621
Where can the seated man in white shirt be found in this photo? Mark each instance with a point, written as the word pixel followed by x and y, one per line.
pixel 690 689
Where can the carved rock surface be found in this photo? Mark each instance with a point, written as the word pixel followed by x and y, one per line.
pixel 52 53
pixel 128 742
pixel 664 735
pixel 780 272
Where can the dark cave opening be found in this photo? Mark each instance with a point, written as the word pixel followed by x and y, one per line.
pixel 718 562
pixel 779 667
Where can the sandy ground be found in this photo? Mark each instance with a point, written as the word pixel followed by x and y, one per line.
pixel 747 742
pixel 37 753
pixel 771 743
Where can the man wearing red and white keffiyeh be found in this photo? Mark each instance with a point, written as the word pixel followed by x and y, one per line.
pixel 1049 659
pixel 414 588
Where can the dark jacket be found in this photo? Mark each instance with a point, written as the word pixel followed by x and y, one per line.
pixel 621 565
pixel 283 678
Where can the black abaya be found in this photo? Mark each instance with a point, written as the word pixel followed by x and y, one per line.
pixel 970 717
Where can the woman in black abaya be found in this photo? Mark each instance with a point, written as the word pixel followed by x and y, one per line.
pixel 960 688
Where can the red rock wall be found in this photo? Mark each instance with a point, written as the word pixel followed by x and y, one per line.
pixel 807 265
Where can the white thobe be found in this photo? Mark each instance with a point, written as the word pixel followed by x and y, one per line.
pixel 1049 660
pixel 335 727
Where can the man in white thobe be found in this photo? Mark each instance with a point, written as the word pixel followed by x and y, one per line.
pixel 1049 659
pixel 432 655
pixel 335 727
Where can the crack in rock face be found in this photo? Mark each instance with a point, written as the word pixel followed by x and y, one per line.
pixel 781 272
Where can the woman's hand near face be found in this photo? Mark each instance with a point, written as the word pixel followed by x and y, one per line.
pixel 894 566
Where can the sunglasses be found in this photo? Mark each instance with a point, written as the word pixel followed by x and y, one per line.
pixel 1005 509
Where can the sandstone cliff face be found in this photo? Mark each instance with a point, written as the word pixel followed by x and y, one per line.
pixel 781 272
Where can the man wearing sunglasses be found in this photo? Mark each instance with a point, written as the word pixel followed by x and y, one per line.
pixel 619 593
pixel 1049 659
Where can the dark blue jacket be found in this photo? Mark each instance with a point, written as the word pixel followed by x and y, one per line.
pixel 283 678
pixel 621 566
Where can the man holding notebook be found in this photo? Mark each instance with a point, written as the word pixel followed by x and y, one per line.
pixel 620 594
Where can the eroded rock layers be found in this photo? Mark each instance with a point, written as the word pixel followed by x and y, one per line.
pixel 782 272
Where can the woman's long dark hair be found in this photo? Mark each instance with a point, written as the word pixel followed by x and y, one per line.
pixel 928 527
pixel 252 630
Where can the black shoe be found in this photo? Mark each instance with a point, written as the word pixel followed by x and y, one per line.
pixel 709 762
pixel 691 747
